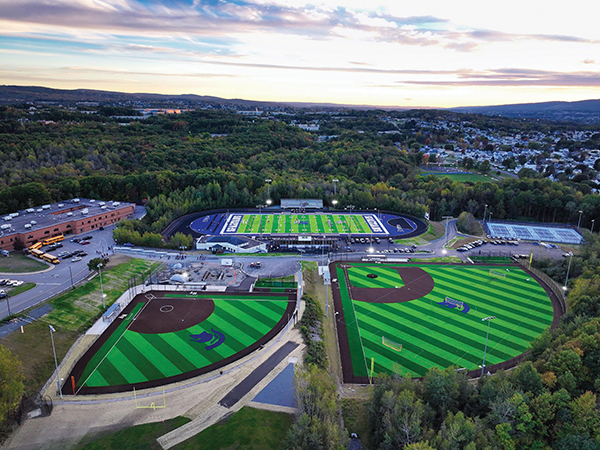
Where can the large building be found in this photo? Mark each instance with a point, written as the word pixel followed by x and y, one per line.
pixel 70 217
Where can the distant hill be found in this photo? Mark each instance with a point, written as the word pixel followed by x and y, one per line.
pixel 37 94
pixel 587 111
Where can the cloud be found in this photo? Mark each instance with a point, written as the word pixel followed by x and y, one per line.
pixel 515 77
pixel 201 18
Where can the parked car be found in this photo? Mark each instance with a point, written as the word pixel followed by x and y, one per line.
pixel 86 238
pixel 128 244
pixel 17 283
pixel 68 255
pixel 85 242
pixel 76 240
pixel 77 258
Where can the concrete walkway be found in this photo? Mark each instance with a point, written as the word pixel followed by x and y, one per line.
pixel 75 417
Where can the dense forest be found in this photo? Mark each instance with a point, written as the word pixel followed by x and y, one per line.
pixel 177 164
pixel 210 159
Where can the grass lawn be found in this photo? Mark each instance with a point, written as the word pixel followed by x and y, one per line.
pixel 314 287
pixel 139 437
pixel 72 311
pixel 432 334
pixel 17 263
pixel 436 230
pixel 247 429
pixel 12 291
pixel 463 177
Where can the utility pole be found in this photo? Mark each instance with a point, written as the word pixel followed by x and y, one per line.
pixel 489 319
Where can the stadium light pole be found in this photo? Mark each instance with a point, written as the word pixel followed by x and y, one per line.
pixel 444 254
pixel 52 331
pixel 446 237
pixel 579 221
pixel 334 202
pixel 484 213
pixel 335 180
pixel 490 219
pixel 592 230
pixel 101 286
pixel 268 180
pixel 568 269
pixel 489 319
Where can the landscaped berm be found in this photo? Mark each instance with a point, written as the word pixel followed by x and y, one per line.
pixel 406 318
pixel 168 336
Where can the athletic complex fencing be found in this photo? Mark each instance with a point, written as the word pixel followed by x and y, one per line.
pixel 558 291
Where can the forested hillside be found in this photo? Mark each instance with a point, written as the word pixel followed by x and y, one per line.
pixel 206 159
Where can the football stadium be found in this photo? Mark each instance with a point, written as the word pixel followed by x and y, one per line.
pixel 407 318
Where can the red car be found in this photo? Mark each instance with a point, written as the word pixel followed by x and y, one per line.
pixel 84 242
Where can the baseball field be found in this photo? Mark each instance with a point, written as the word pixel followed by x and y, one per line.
pixel 164 337
pixel 406 318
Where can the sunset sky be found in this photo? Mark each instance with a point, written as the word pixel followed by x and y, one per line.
pixel 391 53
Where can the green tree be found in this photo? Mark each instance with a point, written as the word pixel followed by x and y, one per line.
pixel 182 240
pixel 11 382
pixel 94 264
pixel 318 424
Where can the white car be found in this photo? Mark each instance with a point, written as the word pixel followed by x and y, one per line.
pixel 77 258
pixel 17 283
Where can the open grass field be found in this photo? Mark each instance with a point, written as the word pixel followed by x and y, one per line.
pixel 463 177
pixel 356 224
pixel 151 345
pixel 17 263
pixel 431 331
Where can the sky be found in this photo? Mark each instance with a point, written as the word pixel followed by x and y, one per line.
pixel 399 53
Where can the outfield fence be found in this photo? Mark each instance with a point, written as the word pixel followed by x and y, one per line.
pixel 552 285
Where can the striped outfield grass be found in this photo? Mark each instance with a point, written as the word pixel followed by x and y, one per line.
pixel 129 357
pixel 303 223
pixel 433 335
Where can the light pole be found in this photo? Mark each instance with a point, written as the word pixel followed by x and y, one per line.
pixel 269 201
pixel 490 219
pixel 444 254
pixel 568 269
pixel 484 213
pixel 335 180
pixel 71 273
pixel 8 305
pixel 268 180
pixel 334 202
pixel 446 234
pixel 592 230
pixel 52 331
pixel 101 286
pixel 579 221
pixel 489 319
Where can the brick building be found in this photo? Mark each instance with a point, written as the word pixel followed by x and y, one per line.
pixel 70 217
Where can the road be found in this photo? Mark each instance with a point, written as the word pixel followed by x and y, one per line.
pixel 61 277
pixel 58 278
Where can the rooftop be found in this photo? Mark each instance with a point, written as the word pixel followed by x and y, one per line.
pixel 55 213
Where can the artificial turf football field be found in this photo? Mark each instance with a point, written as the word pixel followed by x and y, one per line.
pixel 406 304
pixel 356 224
pixel 152 344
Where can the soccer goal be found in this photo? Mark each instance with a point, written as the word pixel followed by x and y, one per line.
pixel 496 273
pixel 391 344
pixel 456 303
